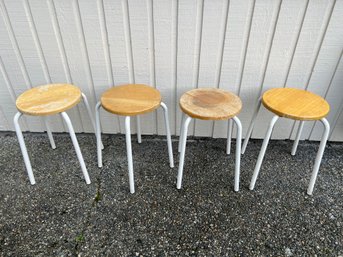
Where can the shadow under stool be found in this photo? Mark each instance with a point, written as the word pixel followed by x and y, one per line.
pixel 48 100
pixel 294 104
pixel 210 104
pixel 131 100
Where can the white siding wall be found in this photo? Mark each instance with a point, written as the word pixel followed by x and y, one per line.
pixel 245 46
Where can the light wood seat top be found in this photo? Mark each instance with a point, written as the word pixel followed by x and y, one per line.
pixel 210 104
pixel 295 104
pixel 48 99
pixel 131 99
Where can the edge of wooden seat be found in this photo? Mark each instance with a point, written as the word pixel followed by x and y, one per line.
pixel 286 114
pixel 43 91
pixel 217 117
pixel 155 99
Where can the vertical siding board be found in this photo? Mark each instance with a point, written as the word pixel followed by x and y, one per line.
pixel 141 49
pixel 8 96
pixel 56 121
pixel 15 26
pixel 52 44
pixel 261 35
pixel 4 124
pixel 316 67
pixel 96 42
pixel 174 56
pixel 152 65
pixel 213 27
pixel 327 72
pixel 235 47
pixel 284 42
pixel 335 99
pixel 128 45
pixel 7 101
pixel 245 47
pixel 91 95
pixel 67 16
pixel 117 46
pixel 337 126
pixel 164 45
pixel 267 55
pixel 220 54
pixel 312 32
pixel 109 68
pixel 197 56
pixel 186 37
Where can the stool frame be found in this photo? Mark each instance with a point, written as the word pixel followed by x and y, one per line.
pixel 185 121
pixel 52 142
pixel 294 148
pixel 128 140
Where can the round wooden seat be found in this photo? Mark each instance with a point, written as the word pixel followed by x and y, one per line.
pixel 48 99
pixel 210 104
pixel 131 99
pixel 295 104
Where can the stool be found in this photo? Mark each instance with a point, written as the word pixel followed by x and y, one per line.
pixel 48 100
pixel 210 104
pixel 131 100
pixel 294 104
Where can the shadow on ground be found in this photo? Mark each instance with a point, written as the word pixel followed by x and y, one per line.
pixel 62 216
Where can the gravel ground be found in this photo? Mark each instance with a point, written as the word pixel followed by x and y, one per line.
pixel 62 216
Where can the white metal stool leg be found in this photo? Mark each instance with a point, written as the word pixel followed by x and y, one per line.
pixel 90 115
pixel 48 131
pixel 262 152
pixel 297 138
pixel 23 148
pixel 229 135
pixel 170 147
pixel 319 156
pixel 183 150
pixel 180 135
pixel 129 153
pixel 98 133
pixel 76 146
pixel 251 126
pixel 238 152
pixel 139 135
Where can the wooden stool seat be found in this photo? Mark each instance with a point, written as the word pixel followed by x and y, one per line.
pixel 295 104
pixel 131 99
pixel 210 104
pixel 48 99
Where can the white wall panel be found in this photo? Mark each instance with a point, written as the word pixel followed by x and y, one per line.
pixel 245 46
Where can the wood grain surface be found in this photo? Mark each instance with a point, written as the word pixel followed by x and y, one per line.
pixel 131 99
pixel 210 104
pixel 295 104
pixel 48 99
